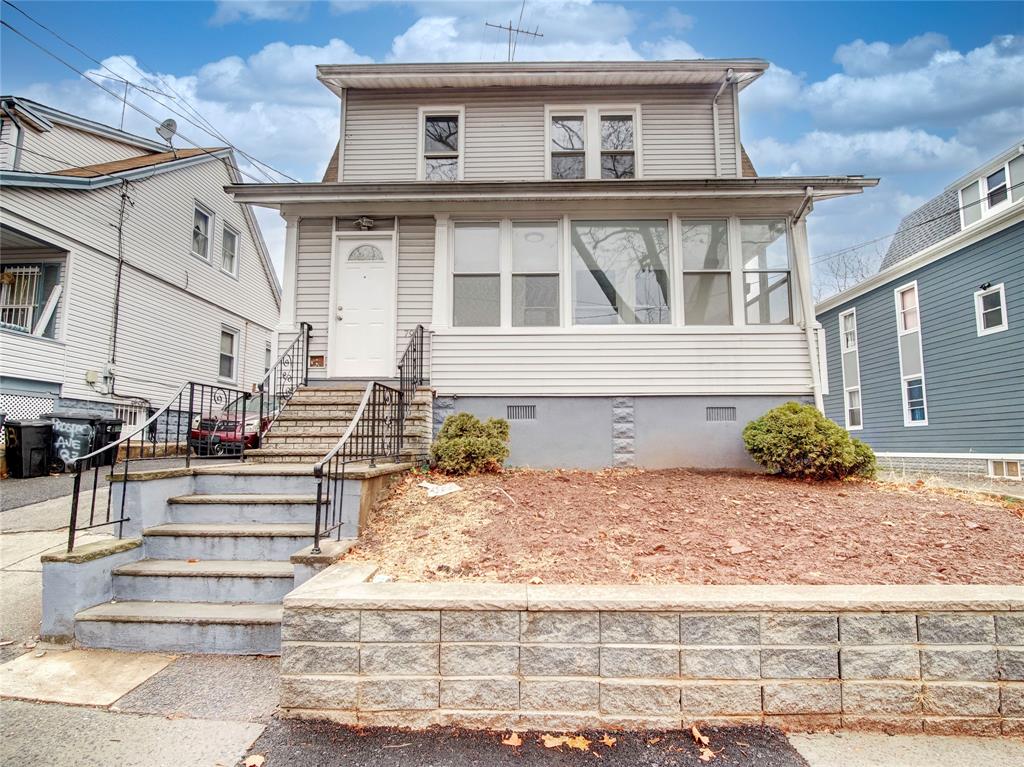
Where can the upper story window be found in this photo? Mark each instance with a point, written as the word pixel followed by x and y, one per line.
pixel 440 144
pixel 906 301
pixel 202 227
pixel 992 192
pixel 28 298
pixel 767 295
pixel 592 142
pixel 229 251
pixel 990 309
pixel 849 331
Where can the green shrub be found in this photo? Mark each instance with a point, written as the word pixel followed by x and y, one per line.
pixel 465 445
pixel 798 441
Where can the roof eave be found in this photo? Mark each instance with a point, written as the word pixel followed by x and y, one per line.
pixel 10 178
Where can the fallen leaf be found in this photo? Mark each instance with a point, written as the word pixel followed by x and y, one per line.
pixel 698 736
pixel 608 740
pixel 256 760
pixel 553 741
pixel 512 740
pixel 653 741
pixel 706 754
pixel 578 742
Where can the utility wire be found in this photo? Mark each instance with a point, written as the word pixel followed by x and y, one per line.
pixel 206 125
pixel 54 159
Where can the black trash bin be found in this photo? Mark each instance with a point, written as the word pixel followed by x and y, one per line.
pixel 74 435
pixel 28 448
pixel 108 431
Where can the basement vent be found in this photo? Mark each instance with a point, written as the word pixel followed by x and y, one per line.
pixel 521 412
pixel 721 414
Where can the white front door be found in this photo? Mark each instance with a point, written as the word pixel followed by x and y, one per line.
pixel 363 338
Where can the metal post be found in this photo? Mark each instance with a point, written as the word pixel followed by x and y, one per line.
pixel 188 425
pixel 245 399
pixel 73 522
pixel 316 524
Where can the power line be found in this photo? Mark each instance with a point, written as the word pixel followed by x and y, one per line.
pixel 851 248
pixel 57 159
pixel 207 126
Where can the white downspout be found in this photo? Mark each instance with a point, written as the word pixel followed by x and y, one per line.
pixel 803 269
pixel 714 119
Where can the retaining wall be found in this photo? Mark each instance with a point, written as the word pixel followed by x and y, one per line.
pixel 935 659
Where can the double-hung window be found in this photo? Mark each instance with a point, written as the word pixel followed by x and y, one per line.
pixel 228 364
pixel 990 309
pixel 568 146
pixel 441 142
pixel 535 284
pixel 618 155
pixel 707 276
pixel 767 295
pixel 992 192
pixel 852 408
pixel 202 230
pixel 229 251
pixel 620 274
pixel 593 142
pixel 476 281
pixel 908 327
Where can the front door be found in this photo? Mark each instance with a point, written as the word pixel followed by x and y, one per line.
pixel 363 341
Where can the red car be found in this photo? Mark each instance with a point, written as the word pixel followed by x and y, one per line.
pixel 222 433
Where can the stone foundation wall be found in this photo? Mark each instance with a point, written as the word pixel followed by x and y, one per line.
pixel 943 659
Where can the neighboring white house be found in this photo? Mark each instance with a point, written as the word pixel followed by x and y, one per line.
pixel 587 244
pixel 126 268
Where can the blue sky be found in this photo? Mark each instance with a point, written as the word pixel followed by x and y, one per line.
pixel 917 93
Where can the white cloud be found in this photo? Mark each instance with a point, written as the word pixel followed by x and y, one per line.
pixel 669 48
pixel 231 11
pixel 867 59
pixel 899 150
pixel 677 21
pixel 776 89
pixel 994 132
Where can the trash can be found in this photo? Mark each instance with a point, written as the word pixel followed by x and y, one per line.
pixel 108 431
pixel 28 448
pixel 74 435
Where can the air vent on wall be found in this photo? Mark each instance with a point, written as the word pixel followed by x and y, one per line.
pixel 721 414
pixel 521 412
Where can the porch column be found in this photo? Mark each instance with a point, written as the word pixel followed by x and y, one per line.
pixel 440 312
pixel 287 324
pixel 809 321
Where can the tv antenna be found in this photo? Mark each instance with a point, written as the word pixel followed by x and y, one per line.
pixel 514 31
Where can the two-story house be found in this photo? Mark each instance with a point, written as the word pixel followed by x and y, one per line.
pixel 126 269
pixel 587 244
pixel 926 357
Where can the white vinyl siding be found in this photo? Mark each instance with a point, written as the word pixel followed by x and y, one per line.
pixel 65 147
pixel 504 131
pixel 415 280
pixel 908 331
pixel 853 408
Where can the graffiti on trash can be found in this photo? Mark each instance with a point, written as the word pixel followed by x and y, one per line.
pixel 71 440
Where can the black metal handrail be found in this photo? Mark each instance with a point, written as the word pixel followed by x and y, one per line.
pixel 282 380
pixel 410 370
pixel 202 419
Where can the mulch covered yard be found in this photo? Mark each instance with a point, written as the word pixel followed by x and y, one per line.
pixel 679 526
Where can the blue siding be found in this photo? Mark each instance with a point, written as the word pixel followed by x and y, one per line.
pixel 975 385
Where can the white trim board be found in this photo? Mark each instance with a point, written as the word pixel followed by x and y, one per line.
pixel 978 456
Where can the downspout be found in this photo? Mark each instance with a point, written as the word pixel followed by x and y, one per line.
pixel 806 300
pixel 714 118
pixel 20 141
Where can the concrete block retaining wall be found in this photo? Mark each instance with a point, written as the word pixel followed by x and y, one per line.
pixel 934 659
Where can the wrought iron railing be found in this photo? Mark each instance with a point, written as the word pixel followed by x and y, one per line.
pixel 410 369
pixel 283 379
pixel 200 419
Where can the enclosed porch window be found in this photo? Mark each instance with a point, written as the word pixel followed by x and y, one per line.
pixel 29 295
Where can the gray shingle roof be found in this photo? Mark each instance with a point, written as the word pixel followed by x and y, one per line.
pixel 936 220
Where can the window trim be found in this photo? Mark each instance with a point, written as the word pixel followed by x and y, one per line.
pixel 789 270
pixel 238 247
pixel 843 349
pixel 900 332
pixel 983 190
pixel 592 114
pixel 211 231
pixel 979 314
pixel 735 273
pixel 1004 475
pixel 236 335
pixel 439 111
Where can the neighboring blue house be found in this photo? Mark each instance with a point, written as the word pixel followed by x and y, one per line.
pixel 925 359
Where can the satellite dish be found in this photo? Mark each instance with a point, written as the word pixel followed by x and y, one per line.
pixel 167 129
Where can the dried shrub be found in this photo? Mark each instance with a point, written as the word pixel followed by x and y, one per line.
pixel 467 445
pixel 796 440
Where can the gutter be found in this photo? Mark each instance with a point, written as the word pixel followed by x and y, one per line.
pixel 16 163
pixel 729 77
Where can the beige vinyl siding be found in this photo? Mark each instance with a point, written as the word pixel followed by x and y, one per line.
pixel 415 280
pixel 504 130
pixel 621 363
pixel 313 282
pixel 8 136
pixel 70 147
pixel 27 356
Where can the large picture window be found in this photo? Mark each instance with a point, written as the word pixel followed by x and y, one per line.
pixel 619 272
pixel 766 284
pixel 707 298
pixel 476 284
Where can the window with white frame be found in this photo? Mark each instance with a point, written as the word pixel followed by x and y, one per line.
pixel 568 146
pixel 29 294
pixel 850 357
pixel 228 364
pixel 906 305
pixel 992 192
pixel 619 272
pixel 476 275
pixel 202 228
pixel 914 393
pixel 535 282
pixel 229 251
pixel 1004 469
pixel 707 272
pixel 908 332
pixel 593 142
pixel 441 141
pixel 767 295
pixel 990 309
